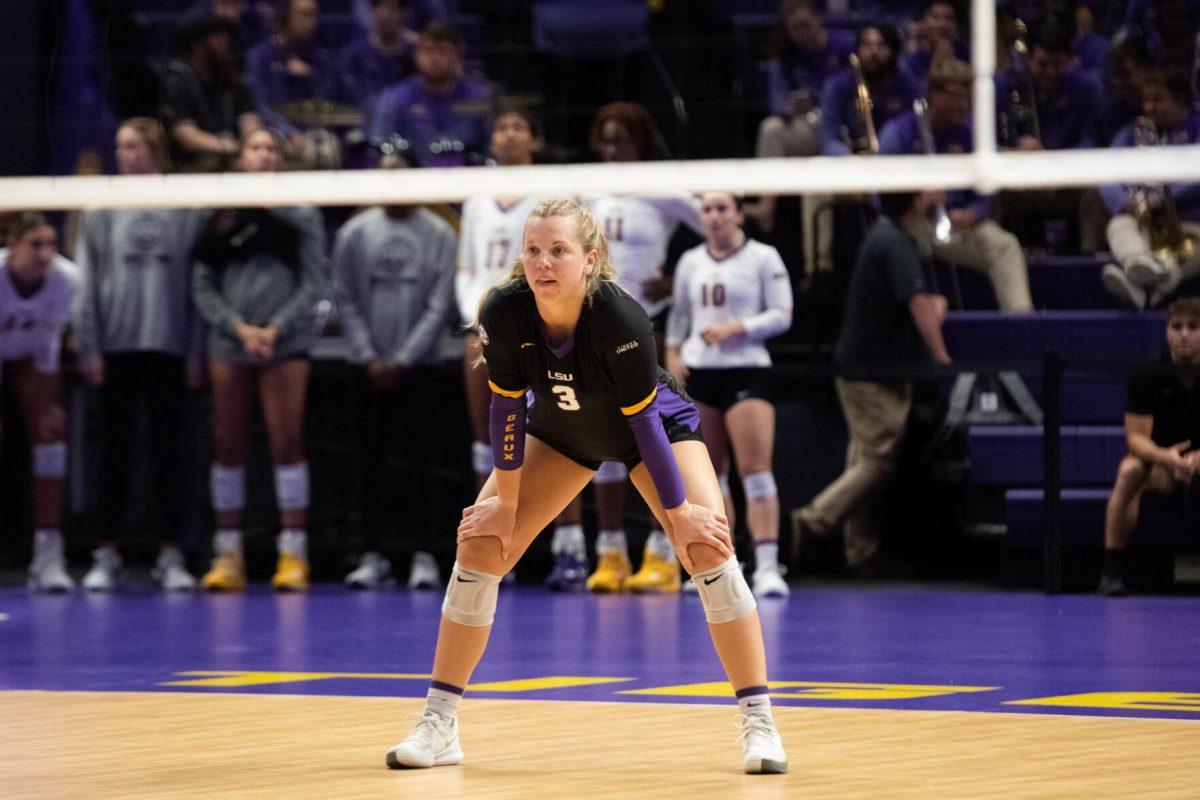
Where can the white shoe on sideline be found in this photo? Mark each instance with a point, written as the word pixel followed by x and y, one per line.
pixel 373 572
pixel 1146 271
pixel 102 577
pixel 433 742
pixel 761 745
pixel 48 573
pixel 424 572
pixel 768 581
pixel 1119 286
pixel 171 572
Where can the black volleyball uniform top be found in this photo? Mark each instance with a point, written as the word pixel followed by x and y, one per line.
pixel 586 389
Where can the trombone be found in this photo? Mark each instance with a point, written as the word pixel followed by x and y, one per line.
pixel 943 231
pixel 1154 208
pixel 868 142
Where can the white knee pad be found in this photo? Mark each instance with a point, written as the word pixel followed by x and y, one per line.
pixel 50 460
pixel 610 472
pixel 759 485
pixel 291 486
pixel 481 458
pixel 723 482
pixel 724 592
pixel 471 597
pixel 228 485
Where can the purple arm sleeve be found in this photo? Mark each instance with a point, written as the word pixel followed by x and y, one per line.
pixel 507 426
pixel 655 449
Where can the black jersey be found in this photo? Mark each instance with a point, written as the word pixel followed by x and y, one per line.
pixel 584 389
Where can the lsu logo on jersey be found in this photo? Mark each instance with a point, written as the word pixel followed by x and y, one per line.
pixel 560 376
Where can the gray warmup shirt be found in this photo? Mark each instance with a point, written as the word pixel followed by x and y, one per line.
pixel 395 285
pixel 262 290
pixel 136 296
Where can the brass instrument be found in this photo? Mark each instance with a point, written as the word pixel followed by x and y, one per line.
pixel 1154 209
pixel 869 141
pixel 1022 114
pixel 943 231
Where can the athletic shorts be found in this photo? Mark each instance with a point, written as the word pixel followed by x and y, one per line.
pixel 724 388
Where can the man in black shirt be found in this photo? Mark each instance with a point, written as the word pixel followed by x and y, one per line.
pixel 892 319
pixel 204 106
pixel 1162 427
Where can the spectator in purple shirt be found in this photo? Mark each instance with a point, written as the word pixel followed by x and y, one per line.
pixel 379 58
pixel 935 35
pixel 1142 275
pixel 1126 65
pixel 444 115
pixel 877 47
pixel 290 67
pixel 976 241
pixel 807 56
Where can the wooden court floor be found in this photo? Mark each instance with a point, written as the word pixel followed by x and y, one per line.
pixel 179 745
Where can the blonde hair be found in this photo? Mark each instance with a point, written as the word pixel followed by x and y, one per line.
pixel 591 237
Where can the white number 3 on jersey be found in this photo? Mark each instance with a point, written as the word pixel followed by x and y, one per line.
pixel 566 398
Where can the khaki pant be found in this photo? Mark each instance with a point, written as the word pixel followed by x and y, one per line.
pixel 876 415
pixel 780 138
pixel 1129 243
pixel 993 251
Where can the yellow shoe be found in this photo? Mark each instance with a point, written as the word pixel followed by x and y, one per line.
pixel 657 576
pixel 228 574
pixel 611 573
pixel 291 574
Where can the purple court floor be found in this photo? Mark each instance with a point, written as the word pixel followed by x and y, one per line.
pixel 897 648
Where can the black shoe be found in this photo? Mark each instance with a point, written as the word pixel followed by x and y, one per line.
pixel 1112 586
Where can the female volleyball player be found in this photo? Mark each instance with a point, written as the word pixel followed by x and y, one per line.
pixel 37 287
pixel 139 337
pixel 561 327
pixel 732 294
pixel 638 231
pixel 255 280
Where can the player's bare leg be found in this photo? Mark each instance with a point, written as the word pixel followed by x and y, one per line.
pixel 751 425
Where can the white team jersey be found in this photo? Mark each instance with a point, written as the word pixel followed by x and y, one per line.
pixel 32 326
pixel 708 292
pixel 490 239
pixel 638 230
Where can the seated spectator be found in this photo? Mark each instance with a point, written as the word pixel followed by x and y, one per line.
pixel 1161 431
pixel 1125 67
pixel 443 115
pixel 290 67
pixel 205 107
pixel 974 239
pixel 394 268
pixel 422 12
pixel 1061 101
pixel 892 318
pixel 249 25
pixel 1089 49
pixel 807 56
pixel 935 36
pixel 843 130
pixel 379 58
pixel 1150 262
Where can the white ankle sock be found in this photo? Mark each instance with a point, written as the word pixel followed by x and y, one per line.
pixel 568 539
pixel 444 701
pixel 658 543
pixel 611 540
pixel 294 542
pixel 754 701
pixel 766 553
pixel 228 540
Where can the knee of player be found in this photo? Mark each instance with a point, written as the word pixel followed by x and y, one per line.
pixel 758 483
pixel 471 596
pixel 50 460
pixel 704 556
pixel 482 553
pixel 1131 472
pixel 723 591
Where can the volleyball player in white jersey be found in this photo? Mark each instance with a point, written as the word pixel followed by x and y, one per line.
pixel 639 230
pixel 37 289
pixel 731 295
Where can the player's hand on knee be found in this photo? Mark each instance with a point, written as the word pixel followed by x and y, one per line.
pixel 489 518
pixel 694 524
pixel 1182 468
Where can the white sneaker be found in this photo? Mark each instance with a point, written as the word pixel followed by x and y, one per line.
pixel 433 742
pixel 761 745
pixel 768 581
pixel 48 570
pixel 102 577
pixel 1119 286
pixel 373 571
pixel 1146 271
pixel 171 572
pixel 424 572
